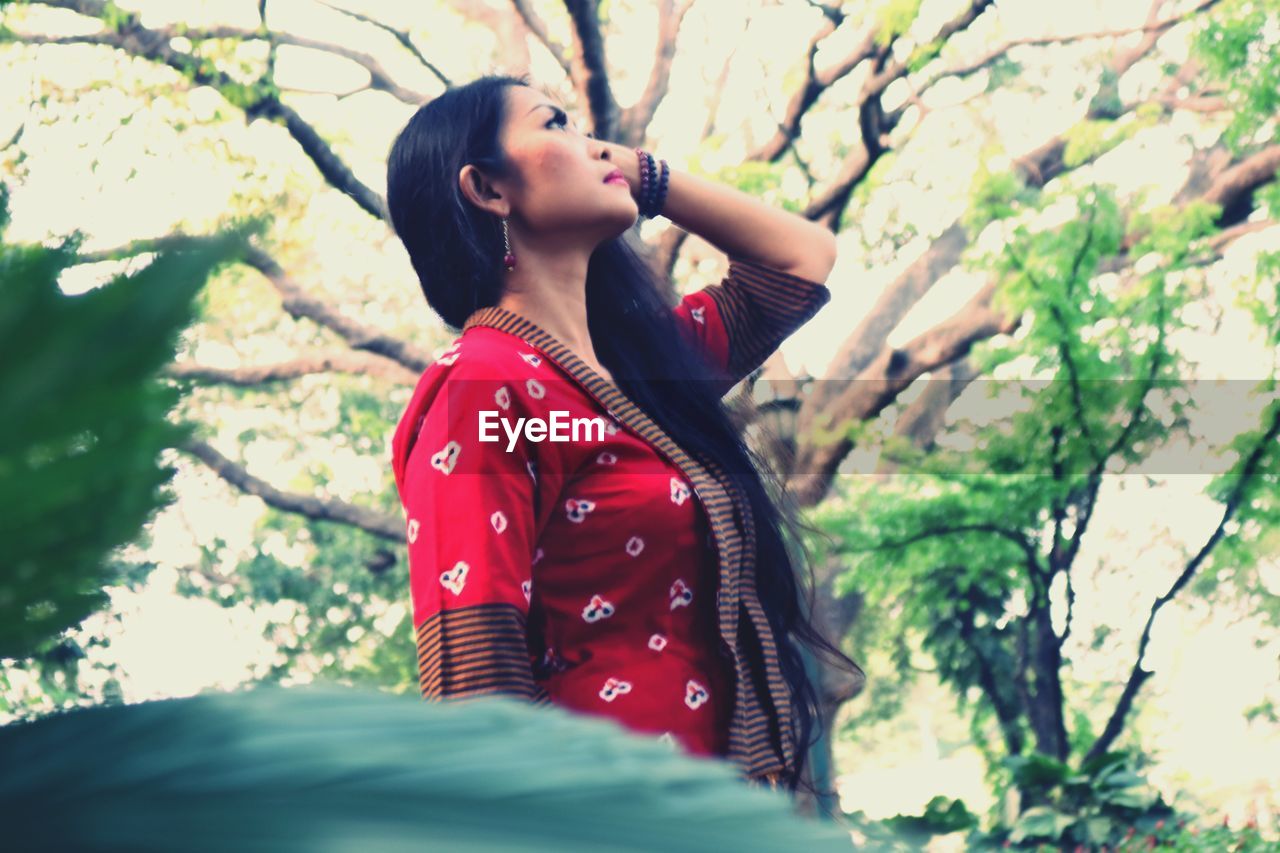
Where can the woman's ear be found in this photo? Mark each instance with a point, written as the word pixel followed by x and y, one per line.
pixel 479 191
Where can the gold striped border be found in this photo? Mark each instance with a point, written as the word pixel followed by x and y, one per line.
pixel 478 650
pixel 761 307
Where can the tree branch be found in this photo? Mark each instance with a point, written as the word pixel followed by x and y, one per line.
pixel 371 521
pixel 1017 537
pixel 1006 712
pixel 539 30
pixel 401 36
pixel 339 361
pixel 1152 31
pixel 635 120
pixel 378 76
pixel 590 71
pixel 298 303
pixel 409 358
pixel 1212 177
pixel 880 383
pixel 154 45
pixel 1138 676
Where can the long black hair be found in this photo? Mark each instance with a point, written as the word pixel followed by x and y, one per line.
pixel 456 249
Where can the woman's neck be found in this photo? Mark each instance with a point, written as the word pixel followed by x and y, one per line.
pixel 551 292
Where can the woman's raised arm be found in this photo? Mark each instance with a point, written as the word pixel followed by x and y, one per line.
pixel 737 223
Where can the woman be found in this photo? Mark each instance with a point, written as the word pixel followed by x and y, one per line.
pixel 637 571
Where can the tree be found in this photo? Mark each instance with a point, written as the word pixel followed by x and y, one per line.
pixel 971 546
pixel 967 544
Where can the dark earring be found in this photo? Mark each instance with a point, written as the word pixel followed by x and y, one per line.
pixel 508 259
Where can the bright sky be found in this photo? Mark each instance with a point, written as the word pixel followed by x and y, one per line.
pixel 172 646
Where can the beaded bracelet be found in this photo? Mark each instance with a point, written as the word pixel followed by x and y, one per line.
pixel 650 182
pixel 642 199
pixel 661 200
pixel 653 184
pixel 652 193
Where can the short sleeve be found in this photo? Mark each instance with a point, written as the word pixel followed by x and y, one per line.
pixel 470 514
pixel 740 322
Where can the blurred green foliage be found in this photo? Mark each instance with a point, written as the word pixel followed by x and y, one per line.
pixel 895 17
pixel 1104 805
pixel 324 767
pixel 78 456
pixel 1239 45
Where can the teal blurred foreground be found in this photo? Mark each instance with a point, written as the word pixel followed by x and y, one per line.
pixel 327 767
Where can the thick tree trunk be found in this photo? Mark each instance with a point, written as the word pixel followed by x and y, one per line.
pixel 1046 709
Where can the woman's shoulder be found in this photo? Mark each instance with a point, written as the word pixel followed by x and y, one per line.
pixel 481 352
pixel 479 349
pixel 481 370
pixel 488 365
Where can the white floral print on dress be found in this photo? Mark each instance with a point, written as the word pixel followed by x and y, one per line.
pixel 695 694
pixel 446 457
pixel 531 358
pixel 456 578
pixel 680 593
pixel 657 642
pixel 634 545
pixel 576 509
pixel 498 520
pixel 535 389
pixel 679 491
pixel 613 688
pixel 413 530
pixel 598 608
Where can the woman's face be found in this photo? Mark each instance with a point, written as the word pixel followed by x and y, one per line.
pixel 558 193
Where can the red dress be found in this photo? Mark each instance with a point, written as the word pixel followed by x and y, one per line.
pixel 586 571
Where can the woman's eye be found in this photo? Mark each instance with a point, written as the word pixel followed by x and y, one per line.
pixel 561 119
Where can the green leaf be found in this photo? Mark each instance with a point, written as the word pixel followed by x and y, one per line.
pixel 1131 798
pixel 1098 829
pixel 1121 779
pixel 325 767
pixel 78 471
pixel 1040 822
pixel 1036 770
